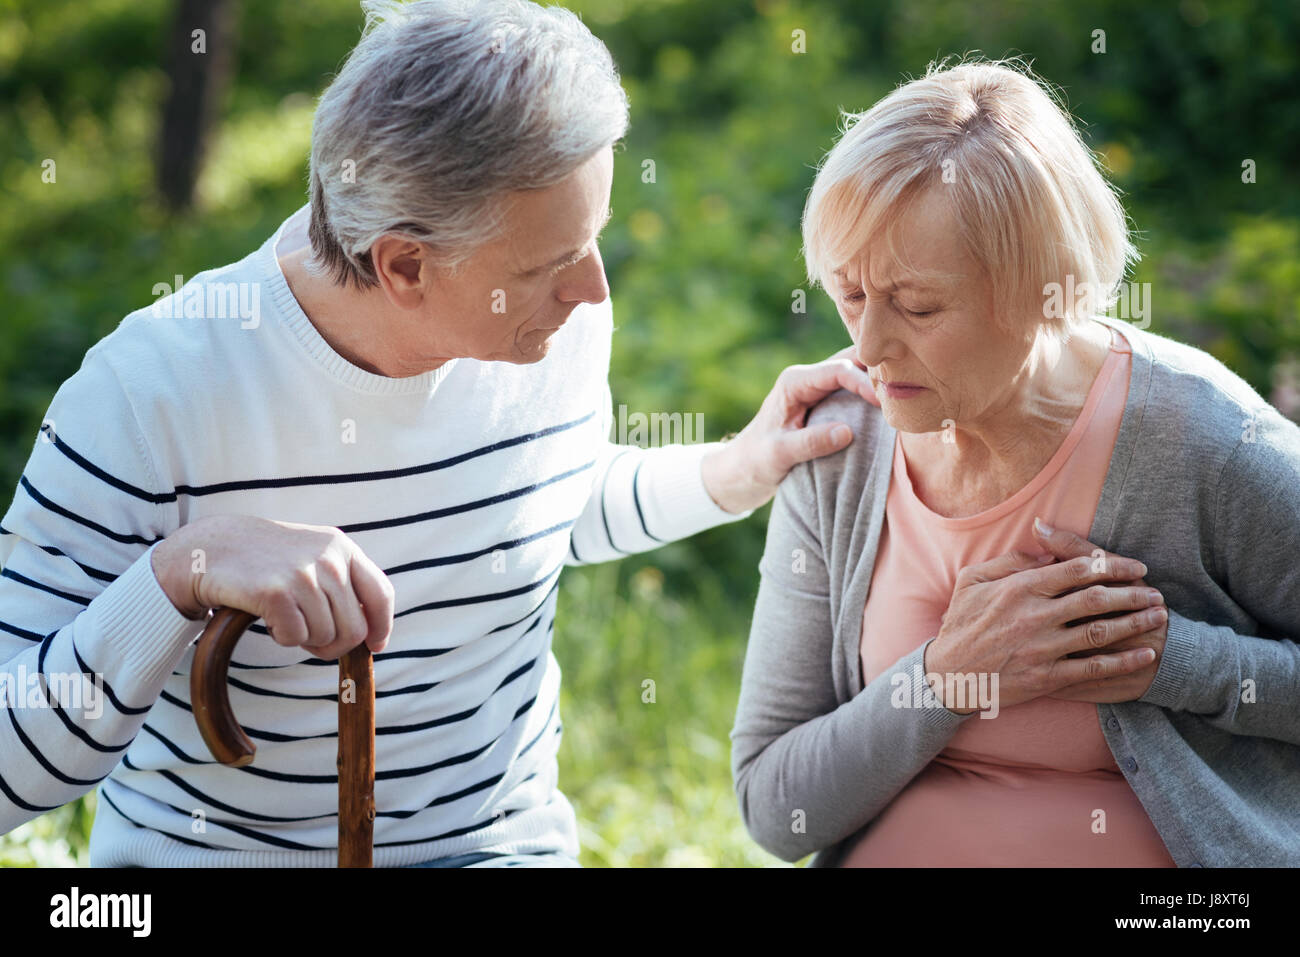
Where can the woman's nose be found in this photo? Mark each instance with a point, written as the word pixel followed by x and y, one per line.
pixel 873 336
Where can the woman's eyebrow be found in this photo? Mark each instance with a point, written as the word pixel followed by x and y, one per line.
pixel 905 283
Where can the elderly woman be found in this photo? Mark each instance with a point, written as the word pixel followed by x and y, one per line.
pixel 1133 658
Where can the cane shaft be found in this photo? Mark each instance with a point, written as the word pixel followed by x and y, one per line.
pixel 356 758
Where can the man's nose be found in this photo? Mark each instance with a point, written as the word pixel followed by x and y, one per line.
pixel 585 281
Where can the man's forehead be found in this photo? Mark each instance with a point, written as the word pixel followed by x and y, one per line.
pixel 539 243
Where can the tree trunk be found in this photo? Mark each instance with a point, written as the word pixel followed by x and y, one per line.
pixel 200 58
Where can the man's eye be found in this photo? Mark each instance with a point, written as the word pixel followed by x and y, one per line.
pixel 565 265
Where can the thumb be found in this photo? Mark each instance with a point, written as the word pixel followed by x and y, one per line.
pixel 1060 542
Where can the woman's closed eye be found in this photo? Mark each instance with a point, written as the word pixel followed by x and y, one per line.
pixel 857 295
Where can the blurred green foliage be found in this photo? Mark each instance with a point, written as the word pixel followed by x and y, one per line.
pixel 703 263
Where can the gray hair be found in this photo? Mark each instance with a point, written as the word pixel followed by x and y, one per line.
pixel 443 107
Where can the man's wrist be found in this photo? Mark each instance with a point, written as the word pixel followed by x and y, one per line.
pixel 731 486
pixel 168 556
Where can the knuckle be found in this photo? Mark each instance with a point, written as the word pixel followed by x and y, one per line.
pixel 282 627
pixel 1097 597
pixel 1097 632
pixel 300 577
pixel 1079 568
pixel 331 570
pixel 1096 668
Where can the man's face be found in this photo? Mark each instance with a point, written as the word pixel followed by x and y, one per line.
pixel 512 295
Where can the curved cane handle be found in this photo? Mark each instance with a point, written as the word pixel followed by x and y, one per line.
pixel 208 696
pixel 356 754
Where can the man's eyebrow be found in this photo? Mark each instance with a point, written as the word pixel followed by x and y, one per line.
pixel 565 257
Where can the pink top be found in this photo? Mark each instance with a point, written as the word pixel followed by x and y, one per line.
pixel 1035 786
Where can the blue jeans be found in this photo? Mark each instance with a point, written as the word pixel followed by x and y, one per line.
pixel 491 859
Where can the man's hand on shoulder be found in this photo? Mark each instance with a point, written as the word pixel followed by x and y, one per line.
pixel 745 472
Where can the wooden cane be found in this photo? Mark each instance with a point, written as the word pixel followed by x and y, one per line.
pixel 356 755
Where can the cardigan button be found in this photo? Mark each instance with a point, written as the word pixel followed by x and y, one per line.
pixel 1130 763
pixel 1112 723
pixel 1194 864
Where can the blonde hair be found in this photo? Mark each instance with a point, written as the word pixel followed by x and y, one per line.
pixel 1030 199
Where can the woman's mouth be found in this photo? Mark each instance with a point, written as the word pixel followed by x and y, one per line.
pixel 903 390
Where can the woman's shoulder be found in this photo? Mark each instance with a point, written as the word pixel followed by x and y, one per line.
pixel 860 415
pixel 1200 410
pixel 842 473
pixel 1198 391
pixel 1191 369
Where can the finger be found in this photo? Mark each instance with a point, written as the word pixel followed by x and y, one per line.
pixel 1072 671
pixel 808 385
pixel 1102 600
pixel 810 442
pixel 315 608
pixel 376 593
pixel 1145 640
pixel 850 353
pixel 350 625
pixel 1004 565
pixel 1065 544
pixel 1056 579
pixel 1103 632
pixel 1128 687
pixel 333 651
pixel 285 624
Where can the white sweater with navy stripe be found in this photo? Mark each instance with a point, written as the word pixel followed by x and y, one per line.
pixel 471 486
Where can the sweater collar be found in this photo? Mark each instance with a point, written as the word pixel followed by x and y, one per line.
pixel 291 315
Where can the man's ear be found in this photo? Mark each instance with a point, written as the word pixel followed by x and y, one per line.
pixel 400 265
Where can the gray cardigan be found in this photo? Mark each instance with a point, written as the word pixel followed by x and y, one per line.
pixel 1203 486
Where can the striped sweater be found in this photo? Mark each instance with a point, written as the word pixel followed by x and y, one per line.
pixel 471 486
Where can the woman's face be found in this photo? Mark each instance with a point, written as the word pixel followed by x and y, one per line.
pixel 938 333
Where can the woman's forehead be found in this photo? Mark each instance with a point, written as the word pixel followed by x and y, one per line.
pixel 922 248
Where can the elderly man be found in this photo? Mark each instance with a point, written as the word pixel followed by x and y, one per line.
pixel 402 443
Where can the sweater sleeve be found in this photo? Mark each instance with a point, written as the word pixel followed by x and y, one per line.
pixel 87 636
pixel 1247 684
pixel 810 771
pixel 643 498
